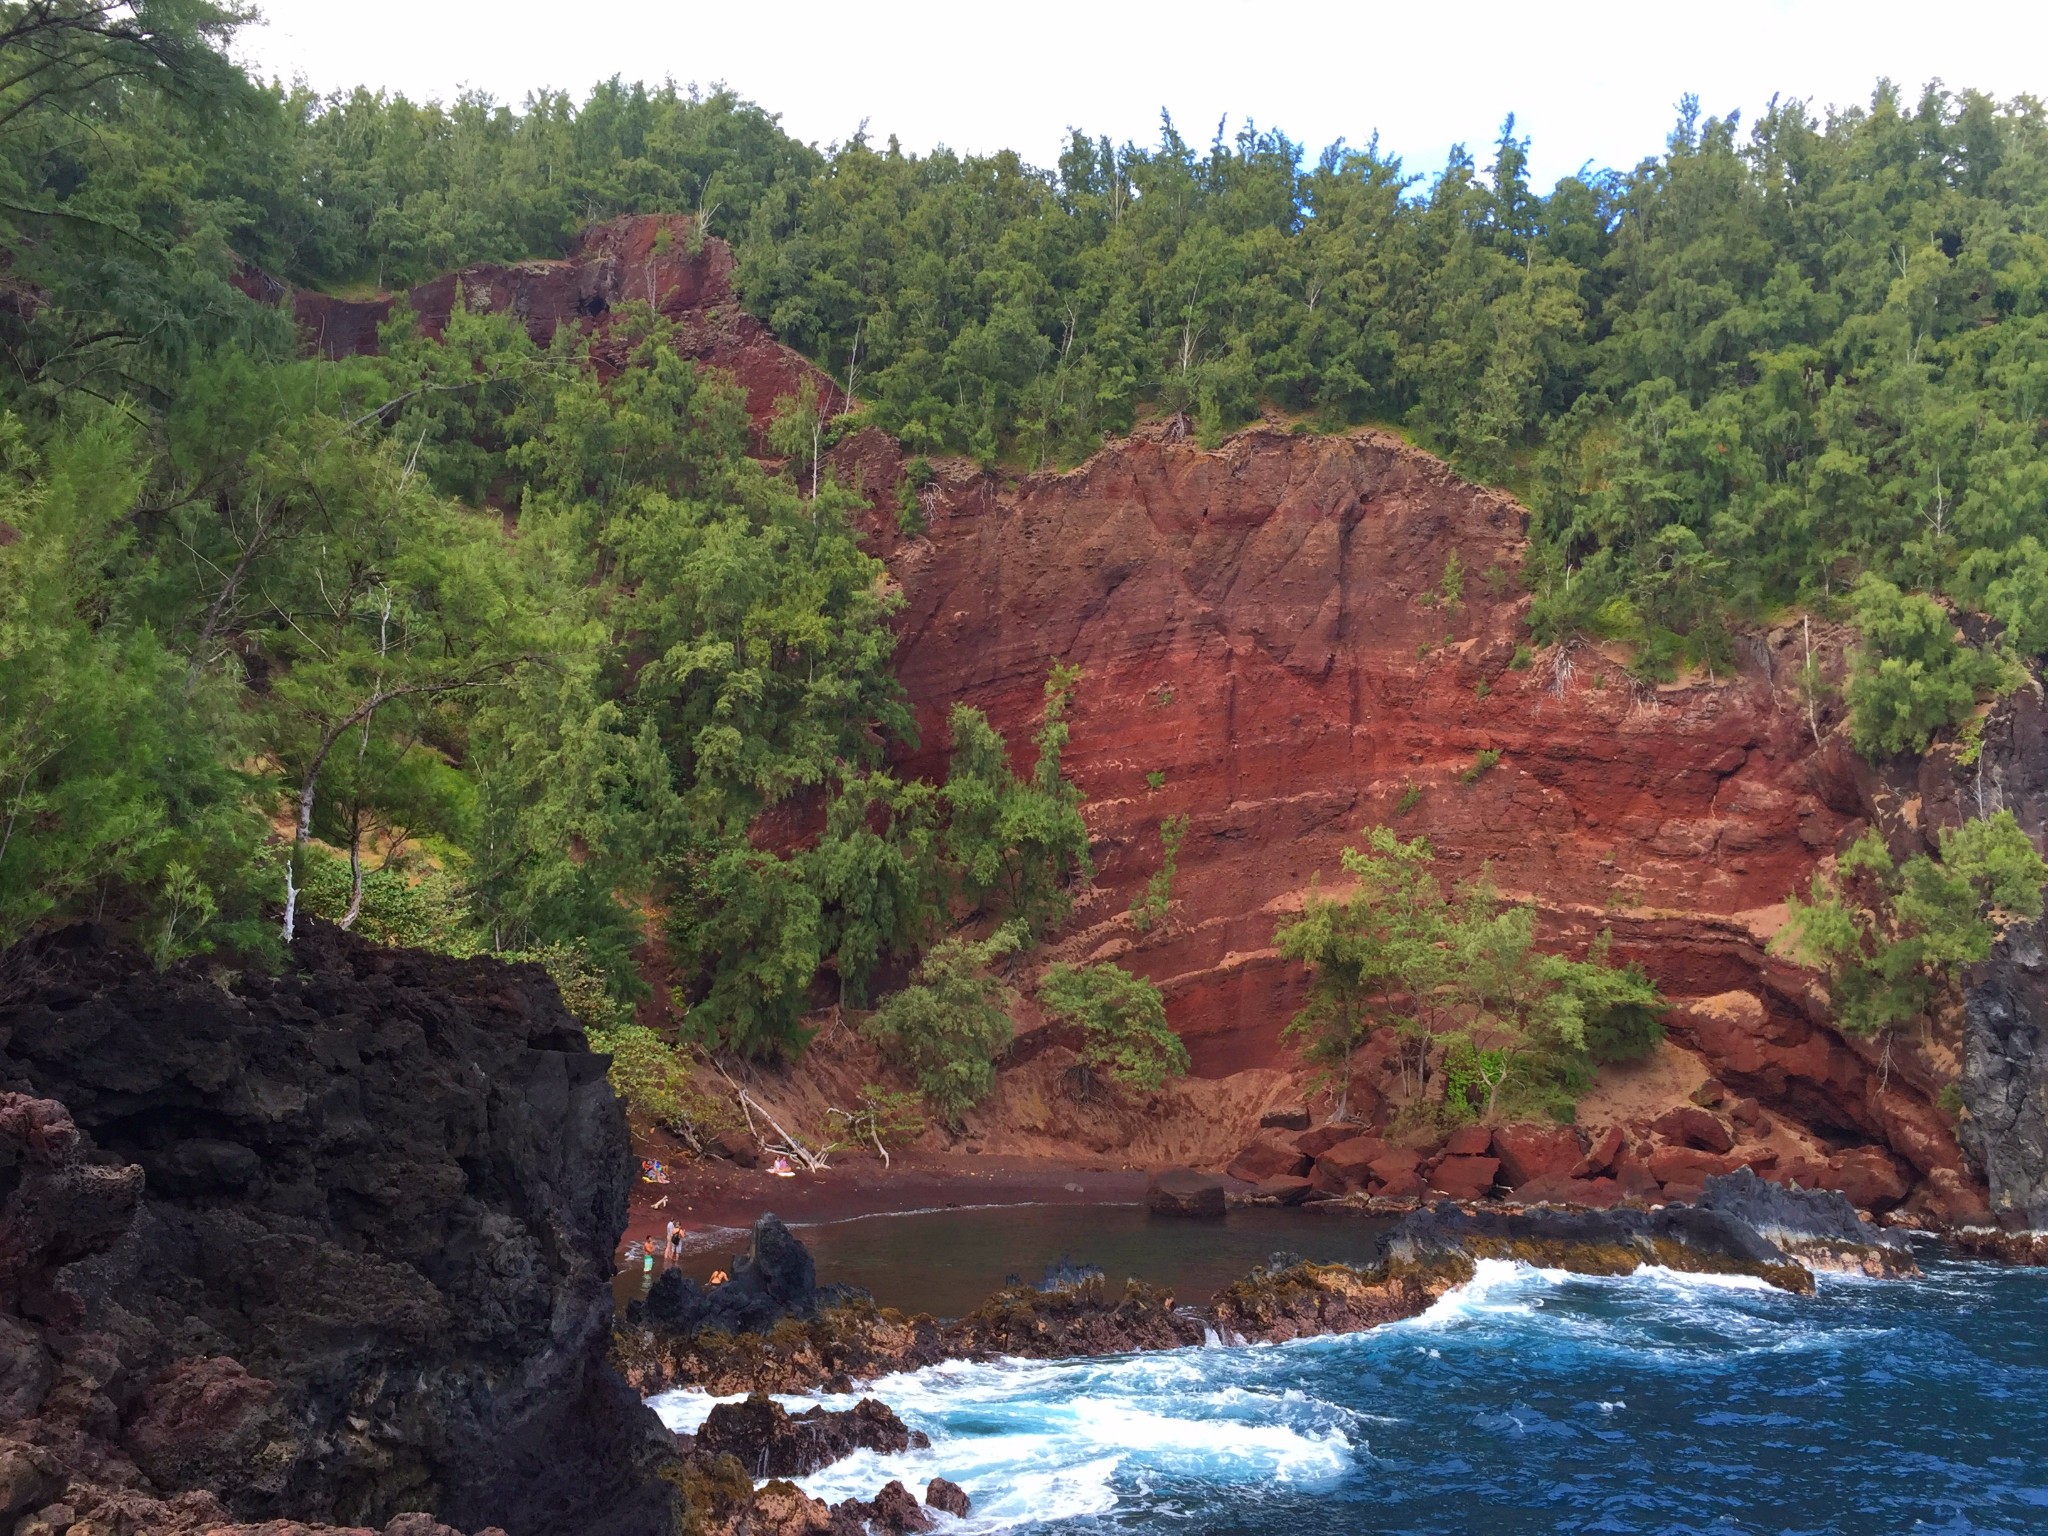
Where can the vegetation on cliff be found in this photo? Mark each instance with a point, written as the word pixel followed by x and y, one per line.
pixel 1889 933
pixel 502 646
pixel 1742 373
pixel 1458 977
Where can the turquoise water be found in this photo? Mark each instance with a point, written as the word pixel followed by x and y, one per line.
pixel 1527 1401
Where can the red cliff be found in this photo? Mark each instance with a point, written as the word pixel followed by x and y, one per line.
pixel 1267 636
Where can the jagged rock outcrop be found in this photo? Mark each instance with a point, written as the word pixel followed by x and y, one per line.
pixel 1819 1228
pixel 773 1280
pixel 332 1246
pixel 772 1442
pixel 2005 1022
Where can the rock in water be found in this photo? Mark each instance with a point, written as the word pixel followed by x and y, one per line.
pixel 774 1279
pixel 342 1240
pixel 1819 1227
pixel 894 1510
pixel 1185 1192
pixel 771 1442
pixel 948 1496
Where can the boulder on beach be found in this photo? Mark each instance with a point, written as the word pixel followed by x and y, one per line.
pixel 1269 1157
pixel 1465 1178
pixel 1531 1150
pixel 1184 1192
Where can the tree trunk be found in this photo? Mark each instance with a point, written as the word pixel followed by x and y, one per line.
pixel 355 872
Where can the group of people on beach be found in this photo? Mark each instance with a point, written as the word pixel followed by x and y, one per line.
pixel 669 1249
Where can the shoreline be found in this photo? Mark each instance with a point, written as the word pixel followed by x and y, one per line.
pixel 710 1198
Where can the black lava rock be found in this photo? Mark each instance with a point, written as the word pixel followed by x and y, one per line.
pixel 378 1198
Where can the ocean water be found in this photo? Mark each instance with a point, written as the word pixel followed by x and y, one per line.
pixel 949 1262
pixel 1526 1401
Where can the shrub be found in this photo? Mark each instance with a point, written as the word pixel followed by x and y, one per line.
pixel 1122 1019
pixel 1151 904
pixel 1887 933
pixel 1481 765
pixel 948 1026
pixel 1911 677
pixel 660 1086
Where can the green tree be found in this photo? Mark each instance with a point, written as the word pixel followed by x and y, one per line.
pixel 1376 957
pixel 1021 841
pixel 1536 1023
pixel 1888 934
pixel 1520 1026
pixel 116 793
pixel 948 1026
pixel 1123 1023
pixel 1912 676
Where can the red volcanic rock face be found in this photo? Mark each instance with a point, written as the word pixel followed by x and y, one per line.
pixel 1262 625
pixel 648 260
pixel 1262 632
pixel 1528 1152
pixel 1267 631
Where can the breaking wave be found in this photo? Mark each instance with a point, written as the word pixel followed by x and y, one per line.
pixel 1525 1399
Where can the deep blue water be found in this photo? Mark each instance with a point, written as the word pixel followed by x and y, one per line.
pixel 1527 1401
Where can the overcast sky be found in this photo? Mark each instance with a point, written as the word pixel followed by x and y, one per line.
pixel 1587 81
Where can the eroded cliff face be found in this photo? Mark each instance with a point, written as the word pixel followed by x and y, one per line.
pixel 654 261
pixel 1267 634
pixel 332 1246
pixel 1266 626
pixel 2005 1029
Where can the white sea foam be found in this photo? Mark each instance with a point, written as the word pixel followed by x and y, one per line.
pixel 1036 1441
pixel 1498 1287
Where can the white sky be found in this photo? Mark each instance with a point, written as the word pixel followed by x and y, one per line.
pixel 1587 80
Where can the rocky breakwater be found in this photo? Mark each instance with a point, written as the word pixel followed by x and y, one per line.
pixel 329 1247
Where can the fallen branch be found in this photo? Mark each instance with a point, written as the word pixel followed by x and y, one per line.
pixel 790 1146
pixel 861 1120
